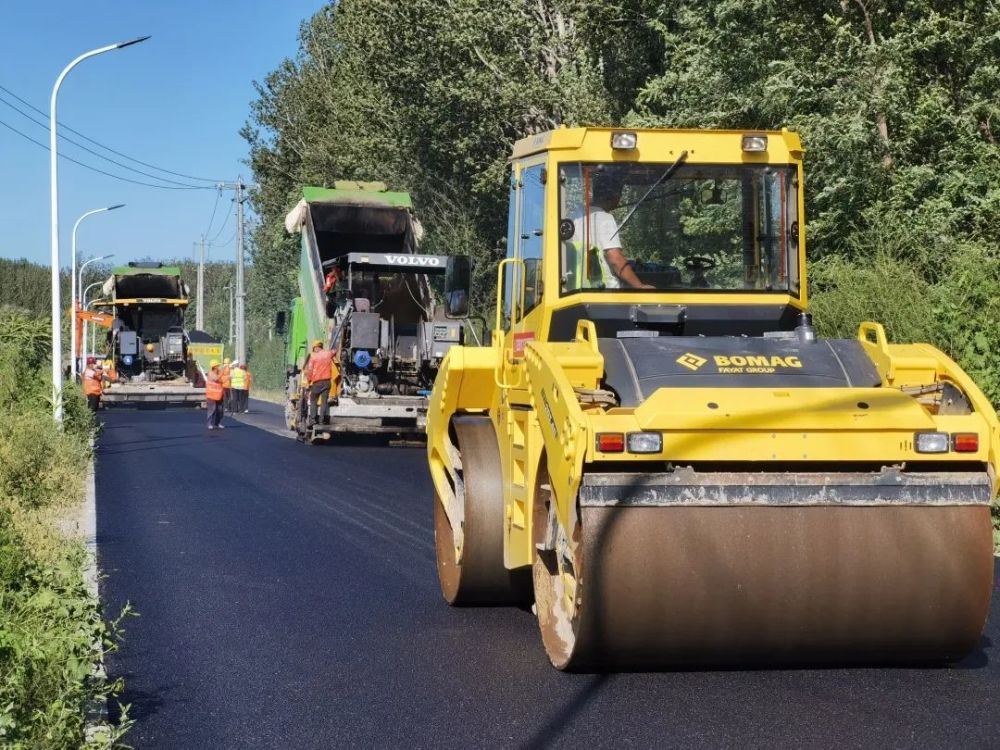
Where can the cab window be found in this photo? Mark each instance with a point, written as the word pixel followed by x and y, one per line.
pixel 701 227
pixel 531 236
pixel 508 279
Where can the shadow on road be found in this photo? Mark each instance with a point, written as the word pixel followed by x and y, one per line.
pixel 562 719
pixel 979 658
pixel 158 444
pixel 140 704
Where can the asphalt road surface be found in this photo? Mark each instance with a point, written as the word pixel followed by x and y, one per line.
pixel 288 598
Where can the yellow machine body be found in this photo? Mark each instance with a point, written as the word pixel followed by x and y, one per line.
pixel 773 522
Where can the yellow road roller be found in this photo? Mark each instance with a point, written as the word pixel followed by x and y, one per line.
pixel 658 450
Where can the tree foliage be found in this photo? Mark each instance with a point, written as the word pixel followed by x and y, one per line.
pixel 895 101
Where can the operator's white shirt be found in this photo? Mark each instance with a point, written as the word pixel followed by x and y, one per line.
pixel 603 234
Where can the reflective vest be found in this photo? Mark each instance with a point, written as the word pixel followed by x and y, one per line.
pixel 225 377
pixel 238 379
pixel 92 383
pixel 320 366
pixel 586 270
pixel 214 390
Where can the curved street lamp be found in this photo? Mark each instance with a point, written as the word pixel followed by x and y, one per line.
pixel 85 305
pixel 57 403
pixel 76 283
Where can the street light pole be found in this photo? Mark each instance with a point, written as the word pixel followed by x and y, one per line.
pixel 83 305
pixel 82 266
pixel 57 404
pixel 75 284
pixel 88 262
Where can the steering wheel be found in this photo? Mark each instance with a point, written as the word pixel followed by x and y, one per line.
pixel 698 263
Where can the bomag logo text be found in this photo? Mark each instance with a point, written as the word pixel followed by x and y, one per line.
pixel 754 365
pixel 691 361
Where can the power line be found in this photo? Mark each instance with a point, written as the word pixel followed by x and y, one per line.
pixel 211 221
pixel 95 153
pixel 230 240
pixel 224 223
pixel 101 145
pixel 101 171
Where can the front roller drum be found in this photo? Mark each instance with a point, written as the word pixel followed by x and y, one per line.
pixel 730 584
pixel 475 573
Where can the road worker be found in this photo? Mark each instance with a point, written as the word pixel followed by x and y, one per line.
pixel 93 386
pixel 110 373
pixel 238 385
pixel 215 395
pixel 226 378
pixel 246 396
pixel 330 282
pixel 321 371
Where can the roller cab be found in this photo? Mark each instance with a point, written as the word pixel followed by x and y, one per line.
pixel 659 451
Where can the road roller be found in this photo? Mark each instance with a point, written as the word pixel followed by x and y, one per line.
pixel 658 454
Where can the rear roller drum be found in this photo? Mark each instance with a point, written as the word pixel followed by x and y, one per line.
pixel 474 573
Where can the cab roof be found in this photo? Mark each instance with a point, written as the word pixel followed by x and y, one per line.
pixel 659 144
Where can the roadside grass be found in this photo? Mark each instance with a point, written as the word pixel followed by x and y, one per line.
pixel 51 629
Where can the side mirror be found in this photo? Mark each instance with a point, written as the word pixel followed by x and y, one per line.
pixel 280 322
pixel 457 281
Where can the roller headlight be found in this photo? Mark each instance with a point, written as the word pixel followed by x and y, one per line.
pixel 624 140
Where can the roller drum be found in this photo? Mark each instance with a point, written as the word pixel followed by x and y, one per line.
pixel 680 584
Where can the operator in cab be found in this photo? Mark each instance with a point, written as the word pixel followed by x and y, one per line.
pixel 598 231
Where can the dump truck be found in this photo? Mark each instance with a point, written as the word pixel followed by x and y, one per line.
pixel 147 341
pixel 660 452
pixel 367 293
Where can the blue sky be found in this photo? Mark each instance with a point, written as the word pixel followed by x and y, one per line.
pixel 176 101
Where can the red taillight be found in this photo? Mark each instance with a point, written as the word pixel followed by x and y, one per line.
pixel 611 442
pixel 965 442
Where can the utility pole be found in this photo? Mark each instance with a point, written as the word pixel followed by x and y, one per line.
pixel 200 310
pixel 241 294
pixel 229 288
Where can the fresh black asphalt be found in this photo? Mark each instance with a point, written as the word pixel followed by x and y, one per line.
pixel 288 599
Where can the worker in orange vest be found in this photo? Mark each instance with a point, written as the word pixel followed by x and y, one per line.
pixel 321 371
pixel 226 378
pixel 93 386
pixel 215 396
